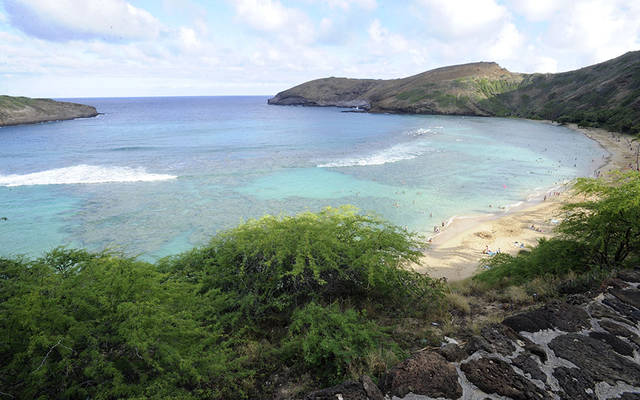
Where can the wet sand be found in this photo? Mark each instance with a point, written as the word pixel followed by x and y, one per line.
pixel 457 252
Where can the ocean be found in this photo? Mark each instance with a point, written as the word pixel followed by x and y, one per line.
pixel 153 177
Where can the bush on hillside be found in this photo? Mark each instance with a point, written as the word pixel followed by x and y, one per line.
pixel 217 322
pixel 598 234
pixel 271 266
pixel 330 341
pixel 81 325
pixel 552 257
pixel 608 222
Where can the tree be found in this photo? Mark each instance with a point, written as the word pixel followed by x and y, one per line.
pixel 82 325
pixel 608 221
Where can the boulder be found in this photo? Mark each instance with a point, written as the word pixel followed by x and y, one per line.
pixel 344 391
pixel 452 352
pixel 425 373
pixel 616 343
pixel 629 275
pixel 477 343
pixel 537 350
pixel 529 366
pixel 557 315
pixel 628 312
pixel 575 384
pixel 629 396
pixel 630 296
pixel 596 359
pixel 619 330
pixel 372 390
pixel 598 310
pixel 500 338
pixel 496 376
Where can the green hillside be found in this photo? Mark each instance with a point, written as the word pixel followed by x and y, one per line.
pixel 604 95
pixel 25 110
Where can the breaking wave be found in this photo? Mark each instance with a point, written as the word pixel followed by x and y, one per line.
pixel 421 132
pixel 82 174
pixel 399 152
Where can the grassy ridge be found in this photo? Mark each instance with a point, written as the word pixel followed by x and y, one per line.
pixel 25 110
pixel 604 95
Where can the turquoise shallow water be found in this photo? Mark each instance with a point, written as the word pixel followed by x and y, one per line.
pixel 156 176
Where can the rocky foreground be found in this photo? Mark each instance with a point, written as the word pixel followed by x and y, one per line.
pixel 582 348
pixel 24 110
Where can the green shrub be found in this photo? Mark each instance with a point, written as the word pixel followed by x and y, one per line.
pixel 331 342
pixel 272 265
pixel 608 223
pixel 551 257
pixel 79 325
pixel 216 322
pixel 598 235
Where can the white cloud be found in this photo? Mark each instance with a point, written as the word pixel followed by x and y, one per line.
pixel 545 65
pixel 384 41
pixel 270 45
pixel 346 4
pixel 460 18
pixel 507 43
pixel 271 16
pixel 594 30
pixel 189 39
pixel 61 20
pixel 538 10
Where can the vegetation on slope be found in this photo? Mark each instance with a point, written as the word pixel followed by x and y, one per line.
pixel 597 235
pixel 604 95
pixel 277 306
pixel 24 110
pixel 449 90
pixel 275 299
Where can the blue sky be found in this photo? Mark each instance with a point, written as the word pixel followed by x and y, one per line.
pixel 94 48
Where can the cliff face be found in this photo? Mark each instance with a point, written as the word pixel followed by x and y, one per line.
pixel 605 94
pixel 24 110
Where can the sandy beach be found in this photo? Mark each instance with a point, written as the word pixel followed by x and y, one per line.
pixel 456 253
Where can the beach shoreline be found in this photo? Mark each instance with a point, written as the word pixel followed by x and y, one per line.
pixel 457 251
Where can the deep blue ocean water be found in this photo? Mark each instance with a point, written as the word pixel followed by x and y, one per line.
pixel 156 176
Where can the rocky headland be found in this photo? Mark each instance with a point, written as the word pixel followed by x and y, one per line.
pixel 604 95
pixel 585 347
pixel 24 110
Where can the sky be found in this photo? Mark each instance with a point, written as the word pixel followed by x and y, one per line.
pixel 120 48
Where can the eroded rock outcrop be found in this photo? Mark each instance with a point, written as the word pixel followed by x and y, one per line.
pixel 493 375
pixel 584 348
pixel 426 373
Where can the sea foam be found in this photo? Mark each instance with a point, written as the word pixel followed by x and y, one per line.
pixel 82 174
pixel 391 155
